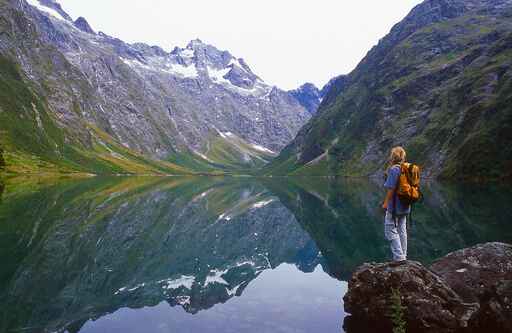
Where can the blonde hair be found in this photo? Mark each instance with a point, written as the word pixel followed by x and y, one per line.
pixel 397 156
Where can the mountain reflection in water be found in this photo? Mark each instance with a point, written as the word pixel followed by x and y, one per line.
pixel 210 254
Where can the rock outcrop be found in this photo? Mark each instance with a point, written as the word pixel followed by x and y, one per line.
pixel 468 290
pixel 430 304
pixel 309 96
pixel 482 274
pixel 82 24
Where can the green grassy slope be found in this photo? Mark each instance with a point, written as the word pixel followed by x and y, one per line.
pixel 36 138
pixel 236 153
pixel 34 143
pixel 225 153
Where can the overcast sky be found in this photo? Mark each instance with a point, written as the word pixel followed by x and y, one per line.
pixel 285 42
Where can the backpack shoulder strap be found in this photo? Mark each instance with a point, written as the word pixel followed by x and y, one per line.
pixel 395 197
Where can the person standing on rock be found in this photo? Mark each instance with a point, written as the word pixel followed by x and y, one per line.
pixel 395 221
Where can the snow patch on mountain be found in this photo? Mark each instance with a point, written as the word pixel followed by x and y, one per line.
pixel 183 300
pixel 263 203
pixel 135 63
pixel 203 156
pixel 225 135
pixel 184 281
pixel 123 289
pixel 260 89
pixel 217 75
pixel 169 68
pixel 215 276
pixel 47 10
pixel 224 216
pixel 232 292
pixel 184 71
pixel 187 53
pixel 263 149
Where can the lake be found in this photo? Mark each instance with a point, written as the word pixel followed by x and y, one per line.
pixel 211 254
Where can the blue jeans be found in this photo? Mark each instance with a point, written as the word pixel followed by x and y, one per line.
pixel 396 234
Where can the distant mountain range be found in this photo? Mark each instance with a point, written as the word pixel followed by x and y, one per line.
pixel 80 100
pixel 440 84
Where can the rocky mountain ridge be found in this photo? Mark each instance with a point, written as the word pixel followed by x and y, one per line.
pixel 439 84
pixel 310 97
pixel 197 107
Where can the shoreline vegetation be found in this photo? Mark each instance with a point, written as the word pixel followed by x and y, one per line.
pixel 11 168
pixel 377 177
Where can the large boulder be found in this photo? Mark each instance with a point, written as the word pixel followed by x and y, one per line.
pixel 474 271
pixel 430 305
pixel 482 274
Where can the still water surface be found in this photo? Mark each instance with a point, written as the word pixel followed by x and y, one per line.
pixel 211 254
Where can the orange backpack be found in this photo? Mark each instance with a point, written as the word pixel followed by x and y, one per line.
pixel 408 187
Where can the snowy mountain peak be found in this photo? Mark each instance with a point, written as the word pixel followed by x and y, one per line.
pixel 220 67
pixel 195 43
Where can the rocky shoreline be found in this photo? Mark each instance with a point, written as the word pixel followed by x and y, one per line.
pixel 469 290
